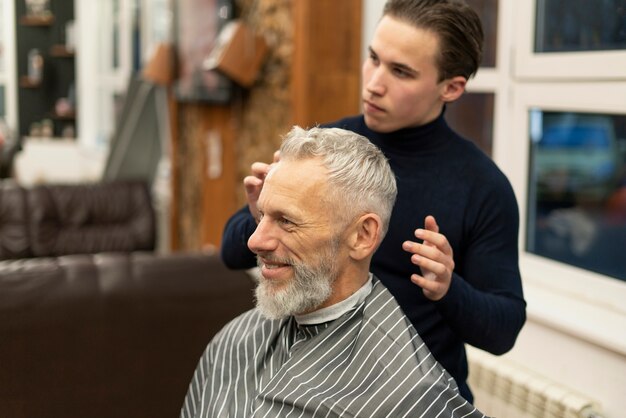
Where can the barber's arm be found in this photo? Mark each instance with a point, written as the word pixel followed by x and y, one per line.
pixel 234 250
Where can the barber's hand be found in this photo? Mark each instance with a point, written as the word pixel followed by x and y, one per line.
pixel 254 183
pixel 434 257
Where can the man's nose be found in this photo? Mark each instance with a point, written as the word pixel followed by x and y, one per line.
pixel 263 239
pixel 375 81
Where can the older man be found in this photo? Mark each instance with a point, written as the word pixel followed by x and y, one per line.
pixel 326 338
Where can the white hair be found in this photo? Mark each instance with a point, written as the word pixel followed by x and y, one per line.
pixel 360 177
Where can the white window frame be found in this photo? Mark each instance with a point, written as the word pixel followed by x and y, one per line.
pixel 572 300
pixel 157 20
pixel 578 302
pixel 95 83
pixel 8 75
pixel 559 66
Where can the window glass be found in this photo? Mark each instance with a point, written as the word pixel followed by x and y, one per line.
pixel 488 12
pixel 577 190
pixel 580 25
pixel 472 117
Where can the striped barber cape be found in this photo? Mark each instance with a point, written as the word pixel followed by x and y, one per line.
pixel 370 362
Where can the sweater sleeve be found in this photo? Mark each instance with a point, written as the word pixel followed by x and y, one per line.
pixel 234 250
pixel 485 304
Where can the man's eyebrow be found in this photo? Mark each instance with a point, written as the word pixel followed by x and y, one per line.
pixel 405 67
pixel 398 65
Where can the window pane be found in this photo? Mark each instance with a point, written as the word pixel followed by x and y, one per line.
pixel 472 117
pixel 488 12
pixel 580 25
pixel 577 190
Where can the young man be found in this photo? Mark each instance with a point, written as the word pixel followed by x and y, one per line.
pixel 460 281
pixel 327 339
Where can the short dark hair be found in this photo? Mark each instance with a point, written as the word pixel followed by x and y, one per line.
pixel 457 27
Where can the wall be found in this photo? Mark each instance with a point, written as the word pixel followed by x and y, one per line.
pixel 310 76
pixel 254 121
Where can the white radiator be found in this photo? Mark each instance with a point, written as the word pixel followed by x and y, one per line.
pixel 506 390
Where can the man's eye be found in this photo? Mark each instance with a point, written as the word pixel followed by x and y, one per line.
pixel 401 73
pixel 285 222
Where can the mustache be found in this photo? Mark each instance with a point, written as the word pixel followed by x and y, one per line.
pixel 271 258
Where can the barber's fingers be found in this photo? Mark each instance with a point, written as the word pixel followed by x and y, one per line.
pixel 253 186
pixel 260 170
pixel 434 239
pixel 432 289
pixel 254 182
pixel 430 223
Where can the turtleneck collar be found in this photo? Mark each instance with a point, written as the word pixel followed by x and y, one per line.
pixel 432 136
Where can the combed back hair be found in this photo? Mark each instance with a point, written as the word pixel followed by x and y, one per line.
pixel 360 178
pixel 457 27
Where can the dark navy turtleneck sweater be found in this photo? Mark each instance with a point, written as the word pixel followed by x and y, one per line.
pixel 439 173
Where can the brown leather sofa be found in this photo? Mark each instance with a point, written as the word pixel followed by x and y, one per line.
pixel 53 220
pixel 111 334
pixel 92 322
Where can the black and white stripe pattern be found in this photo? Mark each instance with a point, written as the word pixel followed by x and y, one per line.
pixel 368 363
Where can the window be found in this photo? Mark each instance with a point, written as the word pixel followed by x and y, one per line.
pixel 571 39
pixel 539 90
pixel 472 117
pixel 488 12
pixel 577 190
pixel 579 25
pixel 125 33
pixel 564 157
pixel 105 66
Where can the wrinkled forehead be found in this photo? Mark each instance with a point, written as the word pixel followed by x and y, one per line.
pixel 298 183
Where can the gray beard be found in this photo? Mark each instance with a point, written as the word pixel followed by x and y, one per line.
pixel 310 287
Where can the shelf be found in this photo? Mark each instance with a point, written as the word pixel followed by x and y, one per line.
pixel 47 20
pixel 27 83
pixel 70 116
pixel 61 51
pixel 45 30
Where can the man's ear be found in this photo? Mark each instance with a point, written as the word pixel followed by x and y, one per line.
pixel 453 88
pixel 365 236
